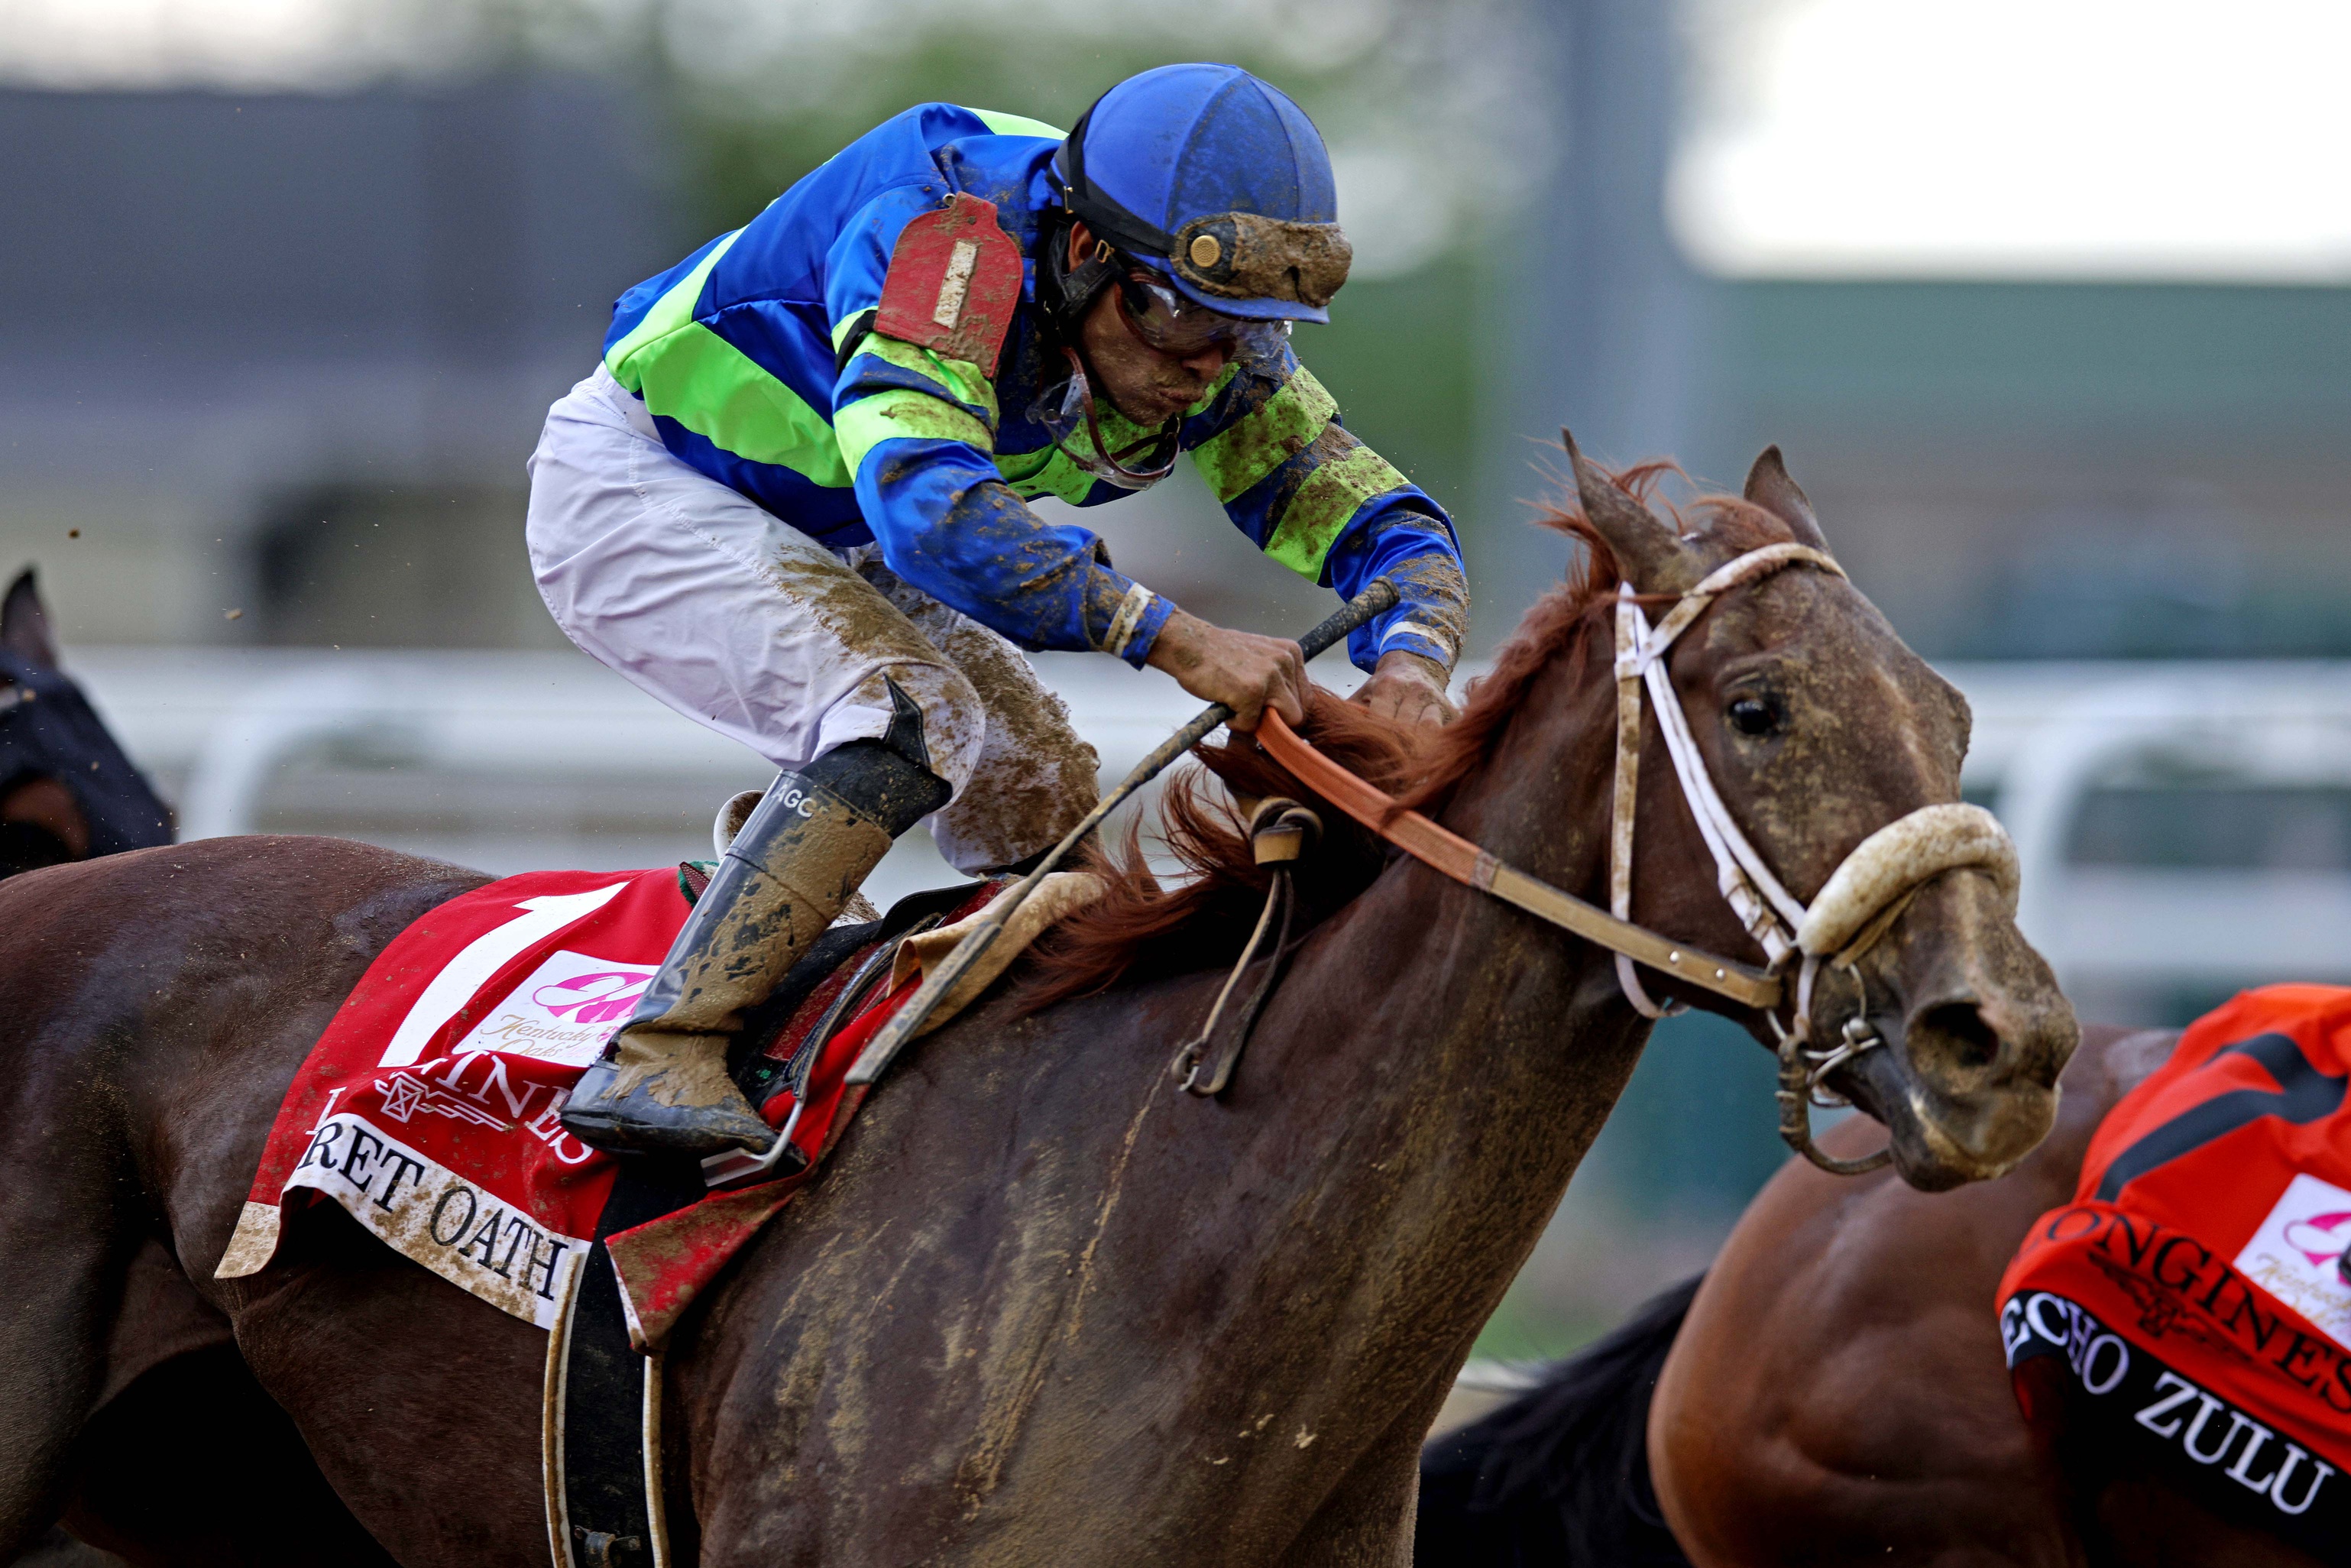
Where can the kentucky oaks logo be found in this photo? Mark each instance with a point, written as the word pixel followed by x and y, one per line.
pixel 563 1012
pixel 2297 1254
pixel 597 998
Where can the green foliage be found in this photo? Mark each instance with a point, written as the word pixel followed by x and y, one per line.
pixel 1400 356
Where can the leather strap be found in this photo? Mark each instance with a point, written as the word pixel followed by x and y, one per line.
pixel 1205 1065
pixel 1767 910
pixel 603 1436
pixel 1465 863
pixel 1625 801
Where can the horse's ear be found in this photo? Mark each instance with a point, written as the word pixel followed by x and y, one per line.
pixel 1651 556
pixel 25 622
pixel 1768 486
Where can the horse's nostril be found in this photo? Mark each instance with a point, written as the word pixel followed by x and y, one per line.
pixel 1973 1042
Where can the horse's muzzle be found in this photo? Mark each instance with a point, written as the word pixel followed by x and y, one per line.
pixel 1969 1087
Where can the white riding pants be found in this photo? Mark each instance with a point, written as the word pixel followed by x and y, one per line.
pixel 733 617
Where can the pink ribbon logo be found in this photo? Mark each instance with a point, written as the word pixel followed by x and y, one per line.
pixel 596 998
pixel 2318 1237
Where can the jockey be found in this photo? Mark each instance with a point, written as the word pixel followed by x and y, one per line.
pixel 793 503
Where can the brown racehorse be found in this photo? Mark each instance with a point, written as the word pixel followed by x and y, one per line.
pixel 1836 1394
pixel 1042 1308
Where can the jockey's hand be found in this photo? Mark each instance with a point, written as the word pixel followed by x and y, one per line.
pixel 1245 672
pixel 1409 688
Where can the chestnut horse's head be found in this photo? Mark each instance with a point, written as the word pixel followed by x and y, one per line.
pixel 1819 727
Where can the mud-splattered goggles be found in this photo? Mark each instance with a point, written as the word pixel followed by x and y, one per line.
pixel 1166 321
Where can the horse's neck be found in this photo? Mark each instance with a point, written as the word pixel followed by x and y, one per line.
pixel 1122 1271
pixel 1476 1050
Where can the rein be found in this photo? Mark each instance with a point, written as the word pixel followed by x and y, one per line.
pixel 1862 900
pixel 1448 852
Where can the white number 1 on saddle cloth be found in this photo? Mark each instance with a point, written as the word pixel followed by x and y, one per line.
pixel 431 1107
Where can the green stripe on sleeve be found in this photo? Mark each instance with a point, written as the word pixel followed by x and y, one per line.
pixel 714 390
pixel 1322 506
pixel 1285 424
pixel 958 381
pixel 671 312
pixel 1002 124
pixel 898 412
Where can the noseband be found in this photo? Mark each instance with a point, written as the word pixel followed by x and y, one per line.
pixel 1860 901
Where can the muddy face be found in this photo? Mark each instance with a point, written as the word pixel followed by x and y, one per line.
pixel 1826 728
pixel 1820 727
pixel 1142 382
pixel 1146 385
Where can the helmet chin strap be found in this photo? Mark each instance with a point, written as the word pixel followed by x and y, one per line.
pixel 1071 290
pixel 1856 907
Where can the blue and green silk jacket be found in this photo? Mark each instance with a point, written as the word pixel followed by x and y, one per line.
pixel 734 349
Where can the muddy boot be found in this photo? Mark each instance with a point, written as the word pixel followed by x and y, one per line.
pixel 662 1082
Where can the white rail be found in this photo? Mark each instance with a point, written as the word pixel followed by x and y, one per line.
pixel 510 759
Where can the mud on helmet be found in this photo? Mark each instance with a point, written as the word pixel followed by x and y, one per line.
pixel 1209 192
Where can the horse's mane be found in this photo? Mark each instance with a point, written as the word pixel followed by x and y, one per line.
pixel 1140 929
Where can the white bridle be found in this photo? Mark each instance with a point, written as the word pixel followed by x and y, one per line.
pixel 1861 898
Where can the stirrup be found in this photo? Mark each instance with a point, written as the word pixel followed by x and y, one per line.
pixel 787 868
pixel 637 1123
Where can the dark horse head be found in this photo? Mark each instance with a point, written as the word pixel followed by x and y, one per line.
pixel 1819 727
pixel 67 791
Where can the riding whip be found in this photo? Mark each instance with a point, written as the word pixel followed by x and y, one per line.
pixel 1375 599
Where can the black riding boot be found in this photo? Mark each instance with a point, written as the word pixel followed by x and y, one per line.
pixel 661 1083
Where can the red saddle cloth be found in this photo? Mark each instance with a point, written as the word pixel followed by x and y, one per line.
pixel 2194 1288
pixel 429 1109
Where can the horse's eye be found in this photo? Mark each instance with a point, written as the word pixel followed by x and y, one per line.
pixel 1753 716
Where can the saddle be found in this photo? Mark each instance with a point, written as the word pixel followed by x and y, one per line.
pixel 428 1108
pixel 666 1234
pixel 844 971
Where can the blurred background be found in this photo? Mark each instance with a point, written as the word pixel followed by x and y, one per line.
pixel 2045 301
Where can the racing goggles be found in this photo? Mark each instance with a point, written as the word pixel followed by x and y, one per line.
pixel 1170 323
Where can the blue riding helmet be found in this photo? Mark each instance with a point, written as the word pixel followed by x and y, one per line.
pixel 1217 180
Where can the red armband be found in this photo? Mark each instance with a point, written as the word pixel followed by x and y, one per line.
pixel 953 283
